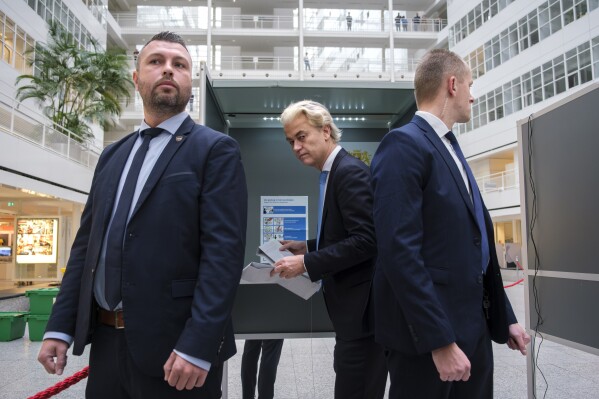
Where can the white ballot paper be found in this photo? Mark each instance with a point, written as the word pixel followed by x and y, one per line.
pixel 256 272
pixel 270 250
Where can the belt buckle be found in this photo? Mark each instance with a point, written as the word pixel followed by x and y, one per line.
pixel 118 326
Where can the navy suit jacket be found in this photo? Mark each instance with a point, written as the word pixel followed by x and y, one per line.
pixel 428 282
pixel 347 248
pixel 182 256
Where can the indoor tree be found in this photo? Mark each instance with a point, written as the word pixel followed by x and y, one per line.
pixel 75 86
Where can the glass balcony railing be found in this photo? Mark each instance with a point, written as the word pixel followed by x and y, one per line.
pixel 498 182
pixel 27 123
pixel 192 18
pixel 156 21
pixel 256 22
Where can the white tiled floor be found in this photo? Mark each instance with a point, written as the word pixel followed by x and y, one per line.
pixel 306 368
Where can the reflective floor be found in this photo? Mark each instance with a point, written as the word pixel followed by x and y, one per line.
pixel 306 367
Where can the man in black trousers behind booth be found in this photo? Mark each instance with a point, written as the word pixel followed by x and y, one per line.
pixel 342 253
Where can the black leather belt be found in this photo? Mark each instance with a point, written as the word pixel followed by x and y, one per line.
pixel 111 318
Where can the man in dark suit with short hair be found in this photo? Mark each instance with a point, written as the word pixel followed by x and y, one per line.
pixel 343 252
pixel 439 297
pixel 156 262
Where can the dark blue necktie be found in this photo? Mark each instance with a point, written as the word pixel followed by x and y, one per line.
pixel 321 193
pixel 116 234
pixel 476 200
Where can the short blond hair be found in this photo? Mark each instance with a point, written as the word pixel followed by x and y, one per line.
pixel 434 67
pixel 318 116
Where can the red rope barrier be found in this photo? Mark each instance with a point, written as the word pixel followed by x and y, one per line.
pixel 513 284
pixel 519 281
pixel 62 385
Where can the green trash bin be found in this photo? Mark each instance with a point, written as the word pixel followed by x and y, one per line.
pixel 37 326
pixel 41 300
pixel 12 325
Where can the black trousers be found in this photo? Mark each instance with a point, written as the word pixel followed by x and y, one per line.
pixel 360 369
pixel 416 377
pixel 271 353
pixel 114 375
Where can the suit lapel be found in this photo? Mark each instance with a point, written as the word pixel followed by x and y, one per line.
pixel 436 141
pixel 117 164
pixel 329 194
pixel 167 154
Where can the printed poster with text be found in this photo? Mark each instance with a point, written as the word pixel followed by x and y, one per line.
pixel 283 218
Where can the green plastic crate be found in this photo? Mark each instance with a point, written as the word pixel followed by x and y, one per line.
pixel 41 300
pixel 12 325
pixel 37 326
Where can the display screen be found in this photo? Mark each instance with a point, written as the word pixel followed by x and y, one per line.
pixel 37 240
pixel 5 251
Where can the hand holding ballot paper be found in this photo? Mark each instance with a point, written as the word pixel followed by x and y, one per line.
pixel 266 273
pixel 291 264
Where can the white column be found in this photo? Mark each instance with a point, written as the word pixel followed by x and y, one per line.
pixel 391 26
pixel 209 36
pixel 300 14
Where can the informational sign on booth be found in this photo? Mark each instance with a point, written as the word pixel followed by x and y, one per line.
pixel 283 218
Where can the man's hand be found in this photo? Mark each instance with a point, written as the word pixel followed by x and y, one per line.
pixel 181 374
pixel 518 338
pixel 295 247
pixel 452 364
pixel 53 355
pixel 289 266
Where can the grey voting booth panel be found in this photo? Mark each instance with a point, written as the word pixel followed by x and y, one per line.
pixel 270 311
pixel 560 182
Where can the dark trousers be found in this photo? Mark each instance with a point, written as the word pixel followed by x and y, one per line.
pixel 360 369
pixel 415 376
pixel 271 353
pixel 114 375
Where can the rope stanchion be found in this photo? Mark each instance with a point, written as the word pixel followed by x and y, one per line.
pixel 519 281
pixel 62 385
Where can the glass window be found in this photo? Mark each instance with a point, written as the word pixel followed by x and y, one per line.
pixel 580 9
pixel 493 8
pixel 543 14
pixel 568 16
pixel 29 46
pixel 49 14
pixel 573 80
pixel 477 17
pixel 20 50
pixel 593 4
pixel 560 74
pixel 499 103
pixel 584 55
pixel 9 41
pixel 586 74
pixel 41 8
pixel 555 9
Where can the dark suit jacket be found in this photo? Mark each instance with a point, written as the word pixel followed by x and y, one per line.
pixel 428 282
pixel 345 259
pixel 183 251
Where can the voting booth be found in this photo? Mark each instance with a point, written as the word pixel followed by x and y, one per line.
pixel 559 195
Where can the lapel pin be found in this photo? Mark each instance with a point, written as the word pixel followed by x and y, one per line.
pixel 178 138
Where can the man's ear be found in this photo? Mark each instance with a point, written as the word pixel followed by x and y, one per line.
pixel 135 79
pixel 327 131
pixel 451 85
